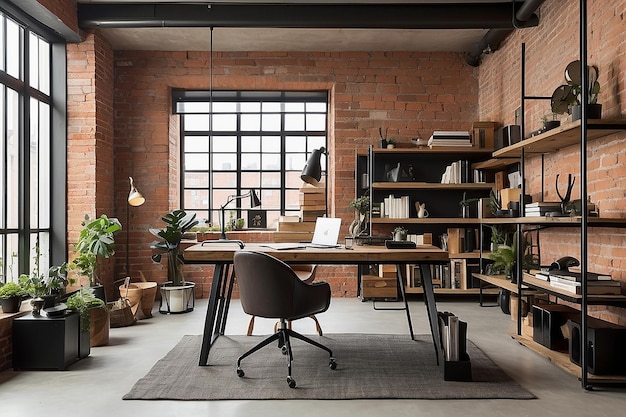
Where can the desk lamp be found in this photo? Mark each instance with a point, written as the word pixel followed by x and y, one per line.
pixel 254 202
pixel 312 173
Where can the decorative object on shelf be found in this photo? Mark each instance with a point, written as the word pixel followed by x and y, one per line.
pixel 177 293
pixel 37 304
pixel 11 295
pixel 466 204
pixel 399 233
pixel 565 199
pixel 421 210
pixel 361 207
pixel 383 139
pixel 568 97
pixel 418 141
pixel 391 143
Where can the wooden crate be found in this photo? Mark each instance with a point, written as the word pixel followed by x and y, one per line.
pixel 379 287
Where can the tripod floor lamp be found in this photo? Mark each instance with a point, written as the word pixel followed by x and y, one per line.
pixel 135 199
pixel 312 173
pixel 254 202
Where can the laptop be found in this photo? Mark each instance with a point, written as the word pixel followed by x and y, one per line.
pixel 326 233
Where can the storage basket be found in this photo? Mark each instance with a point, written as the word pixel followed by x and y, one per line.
pixel 121 314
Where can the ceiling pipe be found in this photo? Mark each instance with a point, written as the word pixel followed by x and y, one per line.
pixel 250 15
pixel 492 39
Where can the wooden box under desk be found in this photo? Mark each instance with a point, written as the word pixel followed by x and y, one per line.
pixel 373 286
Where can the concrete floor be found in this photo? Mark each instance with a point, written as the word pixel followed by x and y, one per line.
pixel 95 386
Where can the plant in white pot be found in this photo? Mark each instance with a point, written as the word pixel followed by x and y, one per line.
pixel 177 295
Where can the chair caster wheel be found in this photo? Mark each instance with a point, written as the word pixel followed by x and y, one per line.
pixel 283 350
pixel 240 373
pixel 291 382
pixel 332 364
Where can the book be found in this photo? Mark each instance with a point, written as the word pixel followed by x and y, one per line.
pixel 542 276
pixel 576 276
pixel 606 283
pixel 591 290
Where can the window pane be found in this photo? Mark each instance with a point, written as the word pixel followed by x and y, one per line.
pixel 316 122
pixel 316 107
pixel 271 162
pixel 225 162
pixel 270 143
pixel 250 161
pixel 13 51
pixel 196 122
pixel 44 166
pixel 294 122
pixel 196 144
pixel 224 144
pixel 197 199
pixel 34 163
pixel 196 179
pixel 250 122
pixel 295 161
pixel 225 122
pixel 271 122
pixel 250 107
pixel 295 144
pixel 270 180
pixel 250 180
pixel 33 56
pixel 251 143
pixel 223 107
pixel 44 66
pixel 294 107
pixel 2 51
pixel 12 251
pixel 196 161
pixel 292 200
pixel 13 157
pixel 224 180
pixel 2 157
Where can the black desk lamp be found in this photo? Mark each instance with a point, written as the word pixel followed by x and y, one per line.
pixel 312 173
pixel 254 202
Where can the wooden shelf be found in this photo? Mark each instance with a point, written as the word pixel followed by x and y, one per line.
pixel 496 163
pixel 561 137
pixel 561 359
pixel 431 186
pixel 545 286
pixel 440 149
pixel 556 221
pixel 501 281
pixel 427 220
pixel 468 255
pixel 470 291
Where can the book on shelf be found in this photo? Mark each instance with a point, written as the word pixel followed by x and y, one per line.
pixel 396 207
pixel 450 138
pixel 542 276
pixel 591 289
pixel 607 283
pixel 577 276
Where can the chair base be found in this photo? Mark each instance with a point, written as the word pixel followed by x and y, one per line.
pixel 318 328
pixel 283 336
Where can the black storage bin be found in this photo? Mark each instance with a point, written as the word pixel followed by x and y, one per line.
pixel 606 344
pixel 507 135
pixel 547 322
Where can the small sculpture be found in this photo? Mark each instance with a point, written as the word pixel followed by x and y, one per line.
pixel 566 198
pixel 421 210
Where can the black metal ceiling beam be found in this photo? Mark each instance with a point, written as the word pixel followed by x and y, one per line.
pixel 254 15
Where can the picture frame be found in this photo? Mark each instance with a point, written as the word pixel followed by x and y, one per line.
pixel 257 219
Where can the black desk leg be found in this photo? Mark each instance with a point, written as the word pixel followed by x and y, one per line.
pixel 400 277
pixel 211 314
pixel 431 307
pixel 229 295
pixel 221 305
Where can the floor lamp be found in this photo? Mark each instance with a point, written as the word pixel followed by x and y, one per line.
pixel 135 199
pixel 312 173
pixel 254 202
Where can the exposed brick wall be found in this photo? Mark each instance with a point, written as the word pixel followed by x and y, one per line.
pixel 549 48
pixel 404 92
pixel 90 139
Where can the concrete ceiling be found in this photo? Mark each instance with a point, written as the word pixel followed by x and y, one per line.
pixel 294 39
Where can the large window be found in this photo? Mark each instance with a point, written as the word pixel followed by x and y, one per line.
pixel 26 165
pixel 254 140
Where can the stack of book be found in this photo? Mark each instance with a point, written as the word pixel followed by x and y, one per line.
pixel 597 284
pixel 540 208
pixel 450 138
pixel 395 207
pixel 457 172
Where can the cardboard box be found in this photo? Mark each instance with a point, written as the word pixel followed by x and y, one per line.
pixel 483 134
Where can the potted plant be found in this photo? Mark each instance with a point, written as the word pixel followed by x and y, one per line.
pixel 399 233
pixel 361 207
pixel 47 288
pixel 569 96
pixel 549 123
pixel 391 143
pixel 96 240
pixel 94 316
pixel 11 295
pixel 177 295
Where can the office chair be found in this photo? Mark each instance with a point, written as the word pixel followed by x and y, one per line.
pixel 306 273
pixel 269 288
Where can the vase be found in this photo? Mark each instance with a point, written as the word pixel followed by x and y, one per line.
pixel 358 225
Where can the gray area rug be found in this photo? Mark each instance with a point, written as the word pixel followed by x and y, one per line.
pixel 368 367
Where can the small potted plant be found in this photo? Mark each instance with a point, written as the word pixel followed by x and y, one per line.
pixel 92 312
pixel 400 233
pixel 391 143
pixel 568 97
pixel 11 295
pixel 177 295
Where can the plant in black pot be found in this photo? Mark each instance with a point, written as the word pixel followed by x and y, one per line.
pixel 96 241
pixel 11 295
pixel 92 312
pixel 177 295
pixel 568 97
pixel 45 289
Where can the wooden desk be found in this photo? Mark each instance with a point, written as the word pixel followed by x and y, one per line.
pixel 221 254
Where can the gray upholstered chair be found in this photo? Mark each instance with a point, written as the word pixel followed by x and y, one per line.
pixel 306 273
pixel 270 288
